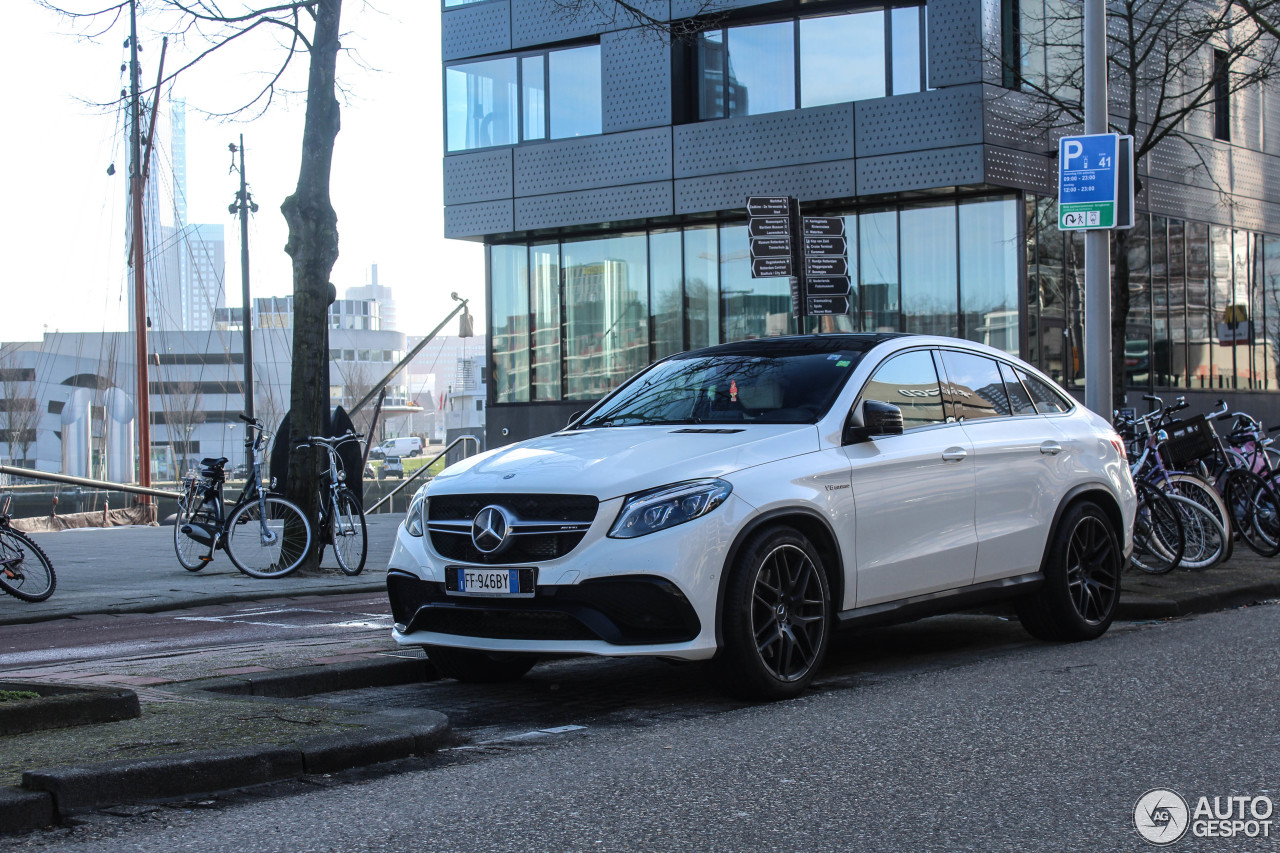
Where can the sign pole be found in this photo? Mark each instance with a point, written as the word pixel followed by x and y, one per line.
pixel 1097 243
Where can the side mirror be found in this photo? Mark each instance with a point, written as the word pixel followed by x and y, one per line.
pixel 877 419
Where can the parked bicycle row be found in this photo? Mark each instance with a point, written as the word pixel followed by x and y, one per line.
pixel 1199 490
pixel 264 534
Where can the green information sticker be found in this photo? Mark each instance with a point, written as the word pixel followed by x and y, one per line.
pixel 844 363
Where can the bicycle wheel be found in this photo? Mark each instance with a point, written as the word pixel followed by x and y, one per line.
pixel 1253 506
pixel 1191 486
pixel 25 570
pixel 1158 536
pixel 189 551
pixel 270 546
pixel 350 538
pixel 1205 540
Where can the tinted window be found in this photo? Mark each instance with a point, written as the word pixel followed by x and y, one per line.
pixel 910 382
pixel 974 387
pixel 1045 396
pixel 1019 402
pixel 787 387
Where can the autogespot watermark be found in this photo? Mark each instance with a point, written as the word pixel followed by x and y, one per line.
pixel 1163 817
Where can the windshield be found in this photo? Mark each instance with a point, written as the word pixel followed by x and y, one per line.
pixel 790 387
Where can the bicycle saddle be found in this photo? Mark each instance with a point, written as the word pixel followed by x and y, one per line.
pixel 214 463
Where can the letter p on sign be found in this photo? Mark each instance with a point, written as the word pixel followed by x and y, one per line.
pixel 1071 150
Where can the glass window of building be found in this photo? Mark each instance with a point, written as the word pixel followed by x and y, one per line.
pixel 701 285
pixel 666 293
pixel 544 275
pixel 606 284
pixel 552 94
pixel 573 87
pixel 753 307
pixel 929 291
pixel 878 271
pixel 752 68
pixel 510 323
pixel 989 272
pixel 482 104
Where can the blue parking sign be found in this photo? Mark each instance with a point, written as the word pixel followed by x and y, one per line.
pixel 1088 181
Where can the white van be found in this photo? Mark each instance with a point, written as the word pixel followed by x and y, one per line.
pixel 409 445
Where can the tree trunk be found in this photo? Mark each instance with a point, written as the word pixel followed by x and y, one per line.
pixel 313 246
pixel 1119 314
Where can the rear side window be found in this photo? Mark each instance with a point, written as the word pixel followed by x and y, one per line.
pixel 910 382
pixel 1047 399
pixel 974 388
pixel 1019 402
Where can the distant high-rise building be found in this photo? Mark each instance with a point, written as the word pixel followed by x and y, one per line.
pixel 380 294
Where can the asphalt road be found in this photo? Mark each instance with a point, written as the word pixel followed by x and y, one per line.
pixel 914 741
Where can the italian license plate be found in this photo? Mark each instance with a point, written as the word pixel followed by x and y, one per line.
pixel 466 580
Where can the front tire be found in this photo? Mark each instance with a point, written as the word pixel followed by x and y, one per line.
pixel 479 667
pixel 272 548
pixel 26 573
pixel 1081 579
pixel 777 617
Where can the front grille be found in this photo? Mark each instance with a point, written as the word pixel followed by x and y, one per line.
pixel 524 506
pixel 525 548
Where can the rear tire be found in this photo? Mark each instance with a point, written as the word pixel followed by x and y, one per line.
pixel 777 617
pixel 189 551
pixel 350 537
pixel 479 667
pixel 1081 579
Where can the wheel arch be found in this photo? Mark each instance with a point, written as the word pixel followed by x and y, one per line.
pixel 807 521
pixel 1096 493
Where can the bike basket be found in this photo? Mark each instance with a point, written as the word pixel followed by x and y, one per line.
pixel 1189 441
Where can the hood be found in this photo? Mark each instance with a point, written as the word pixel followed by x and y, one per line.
pixel 613 461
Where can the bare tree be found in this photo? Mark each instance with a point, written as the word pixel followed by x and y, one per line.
pixel 20 407
pixel 311 28
pixel 357 381
pixel 1172 64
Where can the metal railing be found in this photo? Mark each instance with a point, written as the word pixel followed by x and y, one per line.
pixel 105 485
pixel 462 439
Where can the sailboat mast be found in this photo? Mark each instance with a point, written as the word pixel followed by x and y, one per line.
pixel 137 184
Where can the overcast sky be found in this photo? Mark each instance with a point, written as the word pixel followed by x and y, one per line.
pixel 64 217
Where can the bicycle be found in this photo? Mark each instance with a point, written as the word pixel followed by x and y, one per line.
pixel 341 518
pixel 21 576
pixel 264 534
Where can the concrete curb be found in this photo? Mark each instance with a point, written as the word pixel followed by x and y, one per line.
pixel 61 706
pixel 168 606
pixel 1149 607
pixel 327 678
pixel 52 794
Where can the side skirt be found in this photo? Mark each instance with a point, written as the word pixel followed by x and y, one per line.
pixel 946 601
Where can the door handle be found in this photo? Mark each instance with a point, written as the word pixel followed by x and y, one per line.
pixel 1051 448
pixel 954 454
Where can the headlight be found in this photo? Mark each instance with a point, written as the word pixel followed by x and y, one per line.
pixel 657 509
pixel 416 521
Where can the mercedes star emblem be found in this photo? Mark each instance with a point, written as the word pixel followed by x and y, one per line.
pixel 489 529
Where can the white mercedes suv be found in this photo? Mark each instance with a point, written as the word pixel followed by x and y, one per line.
pixel 739 503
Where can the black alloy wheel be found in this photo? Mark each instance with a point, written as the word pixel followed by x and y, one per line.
pixel 1081 587
pixel 777 617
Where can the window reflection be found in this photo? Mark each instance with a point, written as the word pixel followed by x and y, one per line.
pixel 761 69
pixel 929 291
pixel 910 382
pixel 482 104
pixel 510 325
pixel 666 296
pixel 905 52
pixel 574 86
pixel 989 273
pixel 544 262
pixel 842 58
pixel 753 307
pixel 973 387
pixel 701 279
pixel 878 271
pixel 606 311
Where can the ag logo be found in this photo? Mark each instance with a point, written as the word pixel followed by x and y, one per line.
pixel 1161 816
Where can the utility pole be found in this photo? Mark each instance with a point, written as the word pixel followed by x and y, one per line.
pixel 1097 243
pixel 243 206
pixel 137 183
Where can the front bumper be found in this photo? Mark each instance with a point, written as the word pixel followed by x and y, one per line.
pixel 655 595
